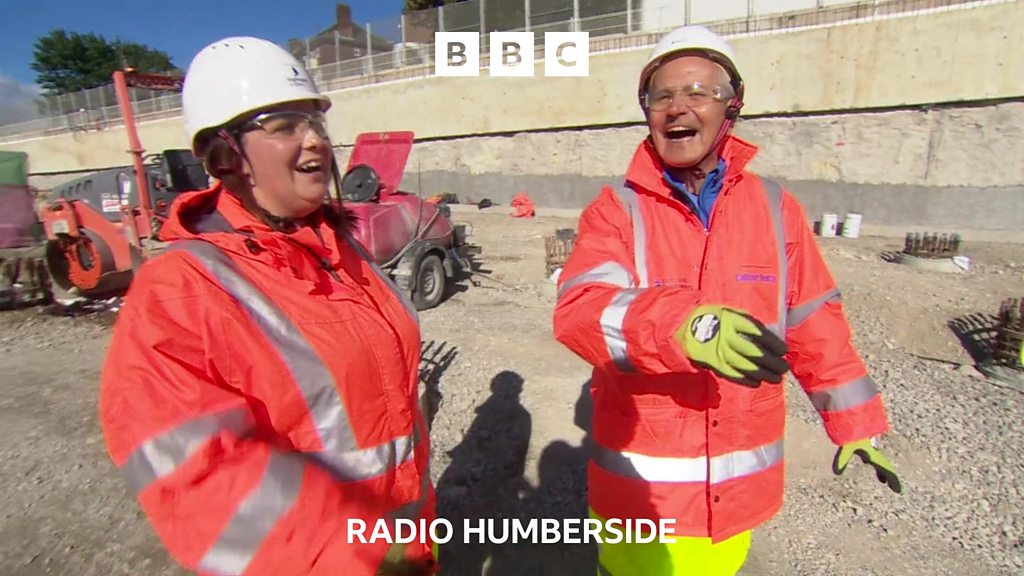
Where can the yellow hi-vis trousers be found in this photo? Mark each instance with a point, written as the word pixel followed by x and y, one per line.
pixel 684 557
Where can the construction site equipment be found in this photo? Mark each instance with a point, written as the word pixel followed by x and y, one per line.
pixel 1004 361
pixel 934 252
pixel 1006 350
pixel 23 275
pixel 101 227
pixel 931 245
pixel 412 240
pixel 557 249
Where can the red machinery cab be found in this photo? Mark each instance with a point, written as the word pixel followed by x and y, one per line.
pixel 412 240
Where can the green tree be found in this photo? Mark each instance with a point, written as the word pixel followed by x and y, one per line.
pixel 66 62
pixel 142 58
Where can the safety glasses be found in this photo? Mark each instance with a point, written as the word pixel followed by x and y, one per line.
pixel 692 95
pixel 288 124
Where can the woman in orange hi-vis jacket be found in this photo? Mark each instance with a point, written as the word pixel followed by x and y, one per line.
pixel 692 290
pixel 260 391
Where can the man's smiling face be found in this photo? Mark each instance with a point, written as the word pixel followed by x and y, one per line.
pixel 687 101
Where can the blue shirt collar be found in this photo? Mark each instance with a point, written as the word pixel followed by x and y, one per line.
pixel 700 204
pixel 712 183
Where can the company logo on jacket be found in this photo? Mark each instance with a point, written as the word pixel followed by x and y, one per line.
pixel 672 283
pixel 755 277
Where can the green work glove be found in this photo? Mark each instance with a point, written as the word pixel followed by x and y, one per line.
pixel 869 455
pixel 396 564
pixel 734 345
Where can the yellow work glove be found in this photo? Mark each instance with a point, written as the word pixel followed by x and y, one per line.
pixel 734 345
pixel 869 454
pixel 396 564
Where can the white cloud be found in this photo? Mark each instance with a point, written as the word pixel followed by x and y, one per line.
pixel 17 101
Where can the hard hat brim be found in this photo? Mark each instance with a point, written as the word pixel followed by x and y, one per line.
pixel 719 58
pixel 323 103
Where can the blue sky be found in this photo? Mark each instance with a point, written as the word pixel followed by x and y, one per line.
pixel 179 28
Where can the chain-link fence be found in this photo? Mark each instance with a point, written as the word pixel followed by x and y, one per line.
pixel 350 54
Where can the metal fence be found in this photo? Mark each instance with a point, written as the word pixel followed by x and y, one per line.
pixel 349 54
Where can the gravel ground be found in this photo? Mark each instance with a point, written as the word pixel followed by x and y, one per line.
pixel 509 431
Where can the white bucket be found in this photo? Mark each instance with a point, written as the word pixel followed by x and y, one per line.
pixel 851 225
pixel 829 221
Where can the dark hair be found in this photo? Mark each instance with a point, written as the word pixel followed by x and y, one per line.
pixel 220 157
pixel 224 162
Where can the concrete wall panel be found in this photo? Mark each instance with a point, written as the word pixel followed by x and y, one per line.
pixel 559 138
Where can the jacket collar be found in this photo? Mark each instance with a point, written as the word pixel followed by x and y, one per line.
pixel 216 211
pixel 646 168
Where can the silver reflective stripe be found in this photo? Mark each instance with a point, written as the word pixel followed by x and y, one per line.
pixel 745 462
pixel 607 273
pixel 611 325
pixel 667 469
pixel 774 193
pixel 341 453
pixel 164 453
pixel 402 297
pixel 256 516
pixel 411 510
pixel 629 199
pixel 844 396
pixel 798 314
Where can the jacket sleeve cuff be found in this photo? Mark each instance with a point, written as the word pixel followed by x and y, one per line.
pixel 670 349
pixel 864 421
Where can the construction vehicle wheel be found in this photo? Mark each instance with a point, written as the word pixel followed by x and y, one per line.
pixel 41 281
pixel 430 282
pixel 57 264
pixel 86 266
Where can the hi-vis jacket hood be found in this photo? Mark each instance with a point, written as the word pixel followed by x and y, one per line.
pixel 218 216
pixel 260 391
pixel 674 441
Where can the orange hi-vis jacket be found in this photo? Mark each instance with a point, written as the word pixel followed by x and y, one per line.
pixel 260 391
pixel 674 440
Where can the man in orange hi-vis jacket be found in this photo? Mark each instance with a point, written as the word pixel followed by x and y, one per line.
pixel 692 290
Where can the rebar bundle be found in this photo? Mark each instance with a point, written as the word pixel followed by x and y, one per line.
pixel 931 244
pixel 558 248
pixel 1010 333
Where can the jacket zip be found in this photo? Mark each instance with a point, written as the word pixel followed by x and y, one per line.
pixel 707 236
pixel 707 231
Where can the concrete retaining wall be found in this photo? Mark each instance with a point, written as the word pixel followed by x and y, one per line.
pixel 937 167
pixel 957 54
pixel 810 93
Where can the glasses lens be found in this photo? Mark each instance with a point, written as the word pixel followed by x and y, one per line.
pixel 292 124
pixel 693 95
pixel 696 94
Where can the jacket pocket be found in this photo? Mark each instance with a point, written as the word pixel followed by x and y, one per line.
pixel 652 430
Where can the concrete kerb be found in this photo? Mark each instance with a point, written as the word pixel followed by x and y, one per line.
pixel 932 264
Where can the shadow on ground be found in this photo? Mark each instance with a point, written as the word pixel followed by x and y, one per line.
pixel 977 334
pixel 435 359
pixel 485 485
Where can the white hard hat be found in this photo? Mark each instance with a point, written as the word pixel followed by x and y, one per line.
pixel 241 74
pixel 692 39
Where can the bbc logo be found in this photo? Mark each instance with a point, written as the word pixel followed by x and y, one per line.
pixel 458 53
